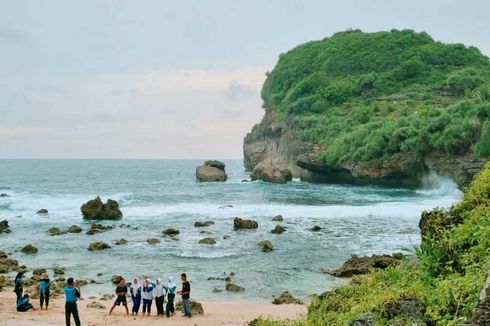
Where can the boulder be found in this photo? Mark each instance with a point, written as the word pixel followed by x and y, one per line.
pixel 286 298
pixel 240 224
pixel 266 246
pixel 207 241
pixel 74 229
pixel 153 241
pixel 170 232
pixel 121 242
pixel 196 307
pixel 234 288
pixel 59 270
pixel 216 290
pixel 277 218
pixel 278 229
pixel 95 246
pixel 95 305
pixel 107 297
pixel 95 209
pixel 7 264
pixel 199 224
pixel 4 227
pixel 226 236
pixel 362 265
pixel 39 271
pixel 29 249
pixel 42 211
pixel 98 228
pixel 4 195
pixel 316 228
pixel 211 171
pixel 5 282
pixel 270 172
pixel 55 231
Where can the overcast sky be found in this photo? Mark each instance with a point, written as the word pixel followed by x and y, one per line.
pixel 172 79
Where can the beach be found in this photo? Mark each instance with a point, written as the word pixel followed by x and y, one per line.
pixel 238 312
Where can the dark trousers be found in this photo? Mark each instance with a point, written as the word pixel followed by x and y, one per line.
pixel 170 304
pixel 44 298
pixel 159 304
pixel 147 305
pixel 19 292
pixel 71 309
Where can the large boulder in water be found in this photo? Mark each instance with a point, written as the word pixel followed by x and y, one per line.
pixel 4 227
pixel 270 172
pixel 95 246
pixel 239 223
pixel 29 249
pixel 211 171
pixel 95 209
pixel 362 265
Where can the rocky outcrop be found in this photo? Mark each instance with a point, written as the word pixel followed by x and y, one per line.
pixel 266 246
pixel 362 265
pixel 200 224
pixel 74 229
pixel 483 309
pixel 42 211
pixel 96 228
pixel 153 241
pixel 211 171
pixel 278 229
pixel 234 288
pixel 277 218
pixel 95 246
pixel 196 307
pixel 29 249
pixel 56 231
pixel 95 209
pixel 207 241
pixel 121 242
pixel 7 264
pixel 271 172
pixel 170 232
pixel 241 224
pixel 4 227
pixel 274 142
pixel 286 298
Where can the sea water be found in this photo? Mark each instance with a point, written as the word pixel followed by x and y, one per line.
pixel 156 194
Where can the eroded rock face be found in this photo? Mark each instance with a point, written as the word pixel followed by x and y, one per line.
pixel 271 172
pixel 362 265
pixel 211 171
pixel 483 309
pixel 29 249
pixel 240 224
pixel 95 209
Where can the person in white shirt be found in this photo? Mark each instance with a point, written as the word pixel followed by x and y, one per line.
pixel 147 295
pixel 159 295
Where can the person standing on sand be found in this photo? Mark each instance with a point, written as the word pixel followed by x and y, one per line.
pixel 135 296
pixel 171 287
pixel 159 294
pixel 121 292
pixel 23 304
pixel 72 293
pixel 18 289
pixel 44 285
pixel 186 295
pixel 147 295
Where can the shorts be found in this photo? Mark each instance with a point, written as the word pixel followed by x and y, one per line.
pixel 121 299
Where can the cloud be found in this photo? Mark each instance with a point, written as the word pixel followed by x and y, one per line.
pixel 238 91
pixel 11 35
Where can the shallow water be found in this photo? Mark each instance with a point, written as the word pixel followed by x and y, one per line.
pixel 155 194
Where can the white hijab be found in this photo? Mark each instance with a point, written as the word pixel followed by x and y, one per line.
pixel 135 285
pixel 171 283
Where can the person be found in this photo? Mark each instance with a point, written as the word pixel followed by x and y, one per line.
pixel 159 294
pixel 23 304
pixel 186 294
pixel 121 292
pixel 135 289
pixel 147 295
pixel 44 284
pixel 72 293
pixel 171 287
pixel 18 289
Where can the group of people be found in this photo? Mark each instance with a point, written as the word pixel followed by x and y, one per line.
pixel 142 294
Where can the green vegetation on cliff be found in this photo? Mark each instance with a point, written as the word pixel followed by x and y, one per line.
pixel 445 279
pixel 370 96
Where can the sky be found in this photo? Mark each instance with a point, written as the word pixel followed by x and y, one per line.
pixel 172 79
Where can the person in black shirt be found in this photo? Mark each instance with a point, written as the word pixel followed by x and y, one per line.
pixel 186 293
pixel 121 292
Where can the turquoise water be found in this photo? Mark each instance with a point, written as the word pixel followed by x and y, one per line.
pixel 155 194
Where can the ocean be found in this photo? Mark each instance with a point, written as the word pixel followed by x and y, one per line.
pixel 156 194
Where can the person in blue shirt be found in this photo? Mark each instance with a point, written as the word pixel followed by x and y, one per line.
pixel 44 285
pixel 72 293
pixel 135 289
pixel 18 289
pixel 147 295
pixel 23 304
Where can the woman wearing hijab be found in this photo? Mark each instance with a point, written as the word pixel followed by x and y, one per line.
pixel 159 294
pixel 147 295
pixel 171 288
pixel 18 289
pixel 135 290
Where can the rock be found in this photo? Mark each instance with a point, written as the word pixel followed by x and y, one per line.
pixel 95 246
pixel 7 264
pixel 153 241
pixel 196 307
pixel 121 242
pixel 170 232
pixel 226 237
pixel 211 171
pixel 59 270
pixel 286 298
pixel 39 271
pixel 266 246
pixel 29 249
pixel 115 279
pixel 277 218
pixel 4 195
pixel 362 265
pixel 226 206
pixel 363 321
pixel 316 228
pixel 240 224
pixel 55 231
pixel 42 211
pixel 5 282
pixel 234 288
pixel 482 316
pixel 107 297
pixel 207 241
pixel 199 224
pixel 4 227
pixel 270 172
pixel 278 229
pixel 95 305
pixel 95 209
pixel 216 290
pixel 74 229
pixel 98 228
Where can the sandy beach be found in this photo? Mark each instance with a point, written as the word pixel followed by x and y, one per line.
pixel 215 313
